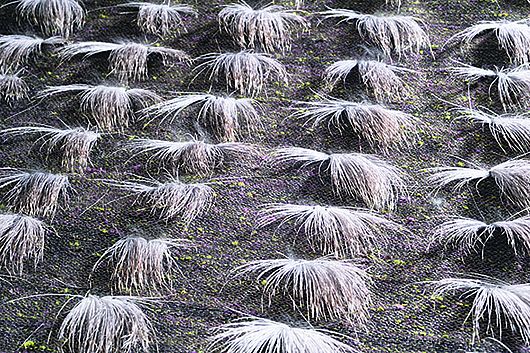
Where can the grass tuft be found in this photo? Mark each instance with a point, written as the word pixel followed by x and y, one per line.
pixel 501 305
pixel 511 177
pixel 17 50
pixel 468 234
pixel 513 37
pixel 110 108
pixel 21 241
pixel 513 85
pixel 74 145
pixel 227 117
pixel 377 183
pixel 195 157
pixel 376 124
pixel 256 335
pixel 127 60
pixel 171 199
pixel 508 130
pixel 391 34
pixel 54 17
pixel 34 193
pixel 161 19
pixel 265 29
pixel 327 289
pixel 381 78
pixel 110 324
pixel 343 231
pixel 12 87
pixel 245 71
pixel 140 264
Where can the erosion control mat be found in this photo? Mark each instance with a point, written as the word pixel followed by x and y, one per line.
pixel 404 316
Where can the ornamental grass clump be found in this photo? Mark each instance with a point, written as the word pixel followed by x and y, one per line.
pixel 73 145
pixel 377 183
pixel 37 194
pixel 342 231
pixel 127 60
pixel 327 289
pixel 266 29
pixel 139 265
pixel 21 241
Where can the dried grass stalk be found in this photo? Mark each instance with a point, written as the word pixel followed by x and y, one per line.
pixel 327 289
pixel 21 241
pixel 266 29
pixel 34 193
pixel 376 124
pixel 513 85
pixel 381 78
pixel 377 183
pixel 141 265
pixel 110 324
pixel 511 177
pixel 161 19
pixel 171 199
pixel 398 34
pixel 257 335
pixel 343 231
pixel 502 305
pixel 245 71
pixel 227 117
pixel 127 60
pixel 17 50
pixel 54 17
pixel 195 157
pixel 74 145
pixel 111 108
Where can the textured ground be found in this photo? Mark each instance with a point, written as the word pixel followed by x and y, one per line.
pixel 404 317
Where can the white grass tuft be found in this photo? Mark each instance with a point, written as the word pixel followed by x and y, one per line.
pixel 195 157
pixel 227 117
pixel 257 335
pixel 512 178
pixel 161 19
pixel 74 145
pixel 513 85
pixel 169 200
pixel 127 60
pixel 109 324
pixel 245 71
pixel 508 130
pixel 376 124
pixel 12 87
pixel 327 289
pixel 343 231
pixel 469 234
pixel 513 37
pixel 501 305
pixel 17 50
pixel 381 78
pixel 34 193
pixel 140 264
pixel 398 34
pixel 21 241
pixel 54 17
pixel 111 108
pixel 266 29
pixel 377 183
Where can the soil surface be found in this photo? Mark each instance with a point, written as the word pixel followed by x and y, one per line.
pixel 404 316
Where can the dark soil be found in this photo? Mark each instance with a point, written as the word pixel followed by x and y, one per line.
pixel 404 316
